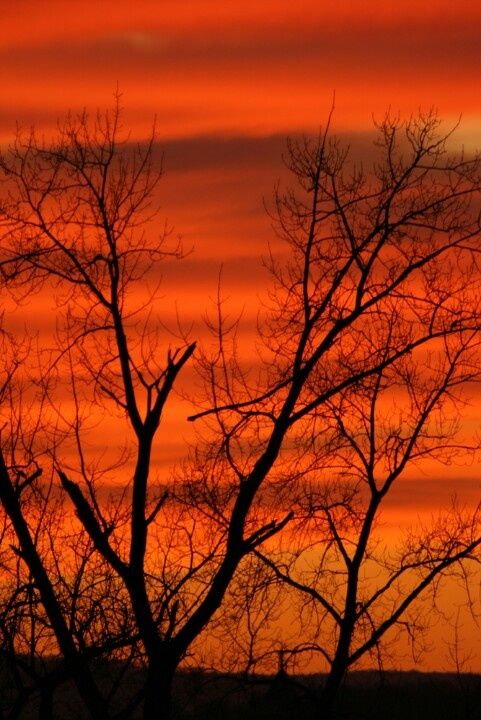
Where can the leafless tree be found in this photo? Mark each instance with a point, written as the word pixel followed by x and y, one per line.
pixel 75 219
pixel 37 532
pixel 369 338
pixel 352 587
pixel 380 269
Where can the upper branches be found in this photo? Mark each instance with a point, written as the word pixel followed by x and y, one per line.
pixel 75 212
pixel 380 263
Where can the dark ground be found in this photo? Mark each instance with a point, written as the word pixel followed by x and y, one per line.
pixel 365 696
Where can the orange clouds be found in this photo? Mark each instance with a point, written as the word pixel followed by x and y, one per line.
pixel 255 68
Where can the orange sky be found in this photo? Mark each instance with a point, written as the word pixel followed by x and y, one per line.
pixel 227 82
pixel 252 68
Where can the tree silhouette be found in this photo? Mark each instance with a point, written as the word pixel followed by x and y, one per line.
pixel 370 338
pixel 354 587
pixel 75 213
pixel 379 287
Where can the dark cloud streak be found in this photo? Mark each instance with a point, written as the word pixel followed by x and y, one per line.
pixel 358 48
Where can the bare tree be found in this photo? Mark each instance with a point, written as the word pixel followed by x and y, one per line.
pixel 349 306
pixel 369 339
pixel 45 556
pixel 350 587
pixel 75 214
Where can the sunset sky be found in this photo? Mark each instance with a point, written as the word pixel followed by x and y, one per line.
pixel 250 69
pixel 227 82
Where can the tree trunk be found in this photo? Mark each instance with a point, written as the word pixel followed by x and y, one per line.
pixel 76 664
pixel 331 690
pixel 45 710
pixel 158 691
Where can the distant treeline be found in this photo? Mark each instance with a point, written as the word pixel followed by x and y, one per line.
pixel 365 695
